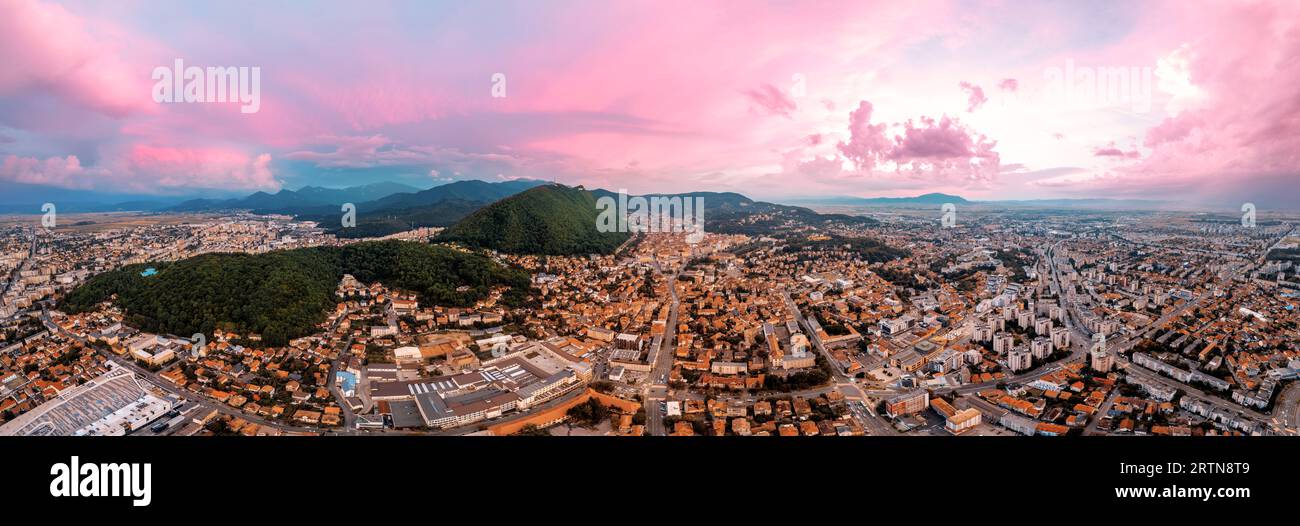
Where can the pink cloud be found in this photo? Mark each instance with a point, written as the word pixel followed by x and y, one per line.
pixel 585 100
pixel 1116 152
pixel 1240 134
pixel 48 49
pixel 170 167
pixel 379 150
pixel 974 96
pixel 1173 129
pixel 147 169
pixel 673 101
pixel 771 99
pixel 940 147
pixel 867 144
pixel 946 145
pixel 57 171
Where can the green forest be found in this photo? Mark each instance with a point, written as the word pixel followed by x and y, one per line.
pixel 284 294
pixel 551 219
pixel 867 249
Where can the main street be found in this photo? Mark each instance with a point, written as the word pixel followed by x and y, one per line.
pixel 349 416
pixel 873 423
pixel 1080 340
pixel 656 389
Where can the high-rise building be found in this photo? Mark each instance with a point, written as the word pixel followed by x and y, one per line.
pixel 1060 337
pixel 1002 342
pixel 1019 359
pixel 1043 326
pixel 1041 347
pixel 1100 357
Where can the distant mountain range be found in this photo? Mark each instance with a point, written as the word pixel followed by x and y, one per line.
pixel 939 199
pixel 439 206
pixel 23 198
pixel 308 200
pixel 404 206
pixel 292 200
pixel 28 198
pixel 713 201
pixel 519 216
pixel 561 220
pixel 382 208
pixel 470 191
pixel 925 199
pixel 1103 204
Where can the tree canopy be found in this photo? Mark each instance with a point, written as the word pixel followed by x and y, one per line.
pixel 284 294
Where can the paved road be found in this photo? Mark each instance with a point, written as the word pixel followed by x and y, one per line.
pixel 1080 339
pixel 1286 411
pixel 873 423
pixel 349 417
pixel 655 390
pixel 1091 429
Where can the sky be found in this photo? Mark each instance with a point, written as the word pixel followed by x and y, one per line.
pixel 1199 102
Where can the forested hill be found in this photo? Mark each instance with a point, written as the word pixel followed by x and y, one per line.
pixel 551 219
pixel 284 294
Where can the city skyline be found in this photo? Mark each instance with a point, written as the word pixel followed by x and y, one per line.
pixel 775 101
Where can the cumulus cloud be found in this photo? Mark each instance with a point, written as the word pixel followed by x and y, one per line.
pixel 54 171
pixel 867 142
pixel 940 147
pixel 818 168
pixel 1173 130
pixel 173 167
pixel 147 169
pixel 974 96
